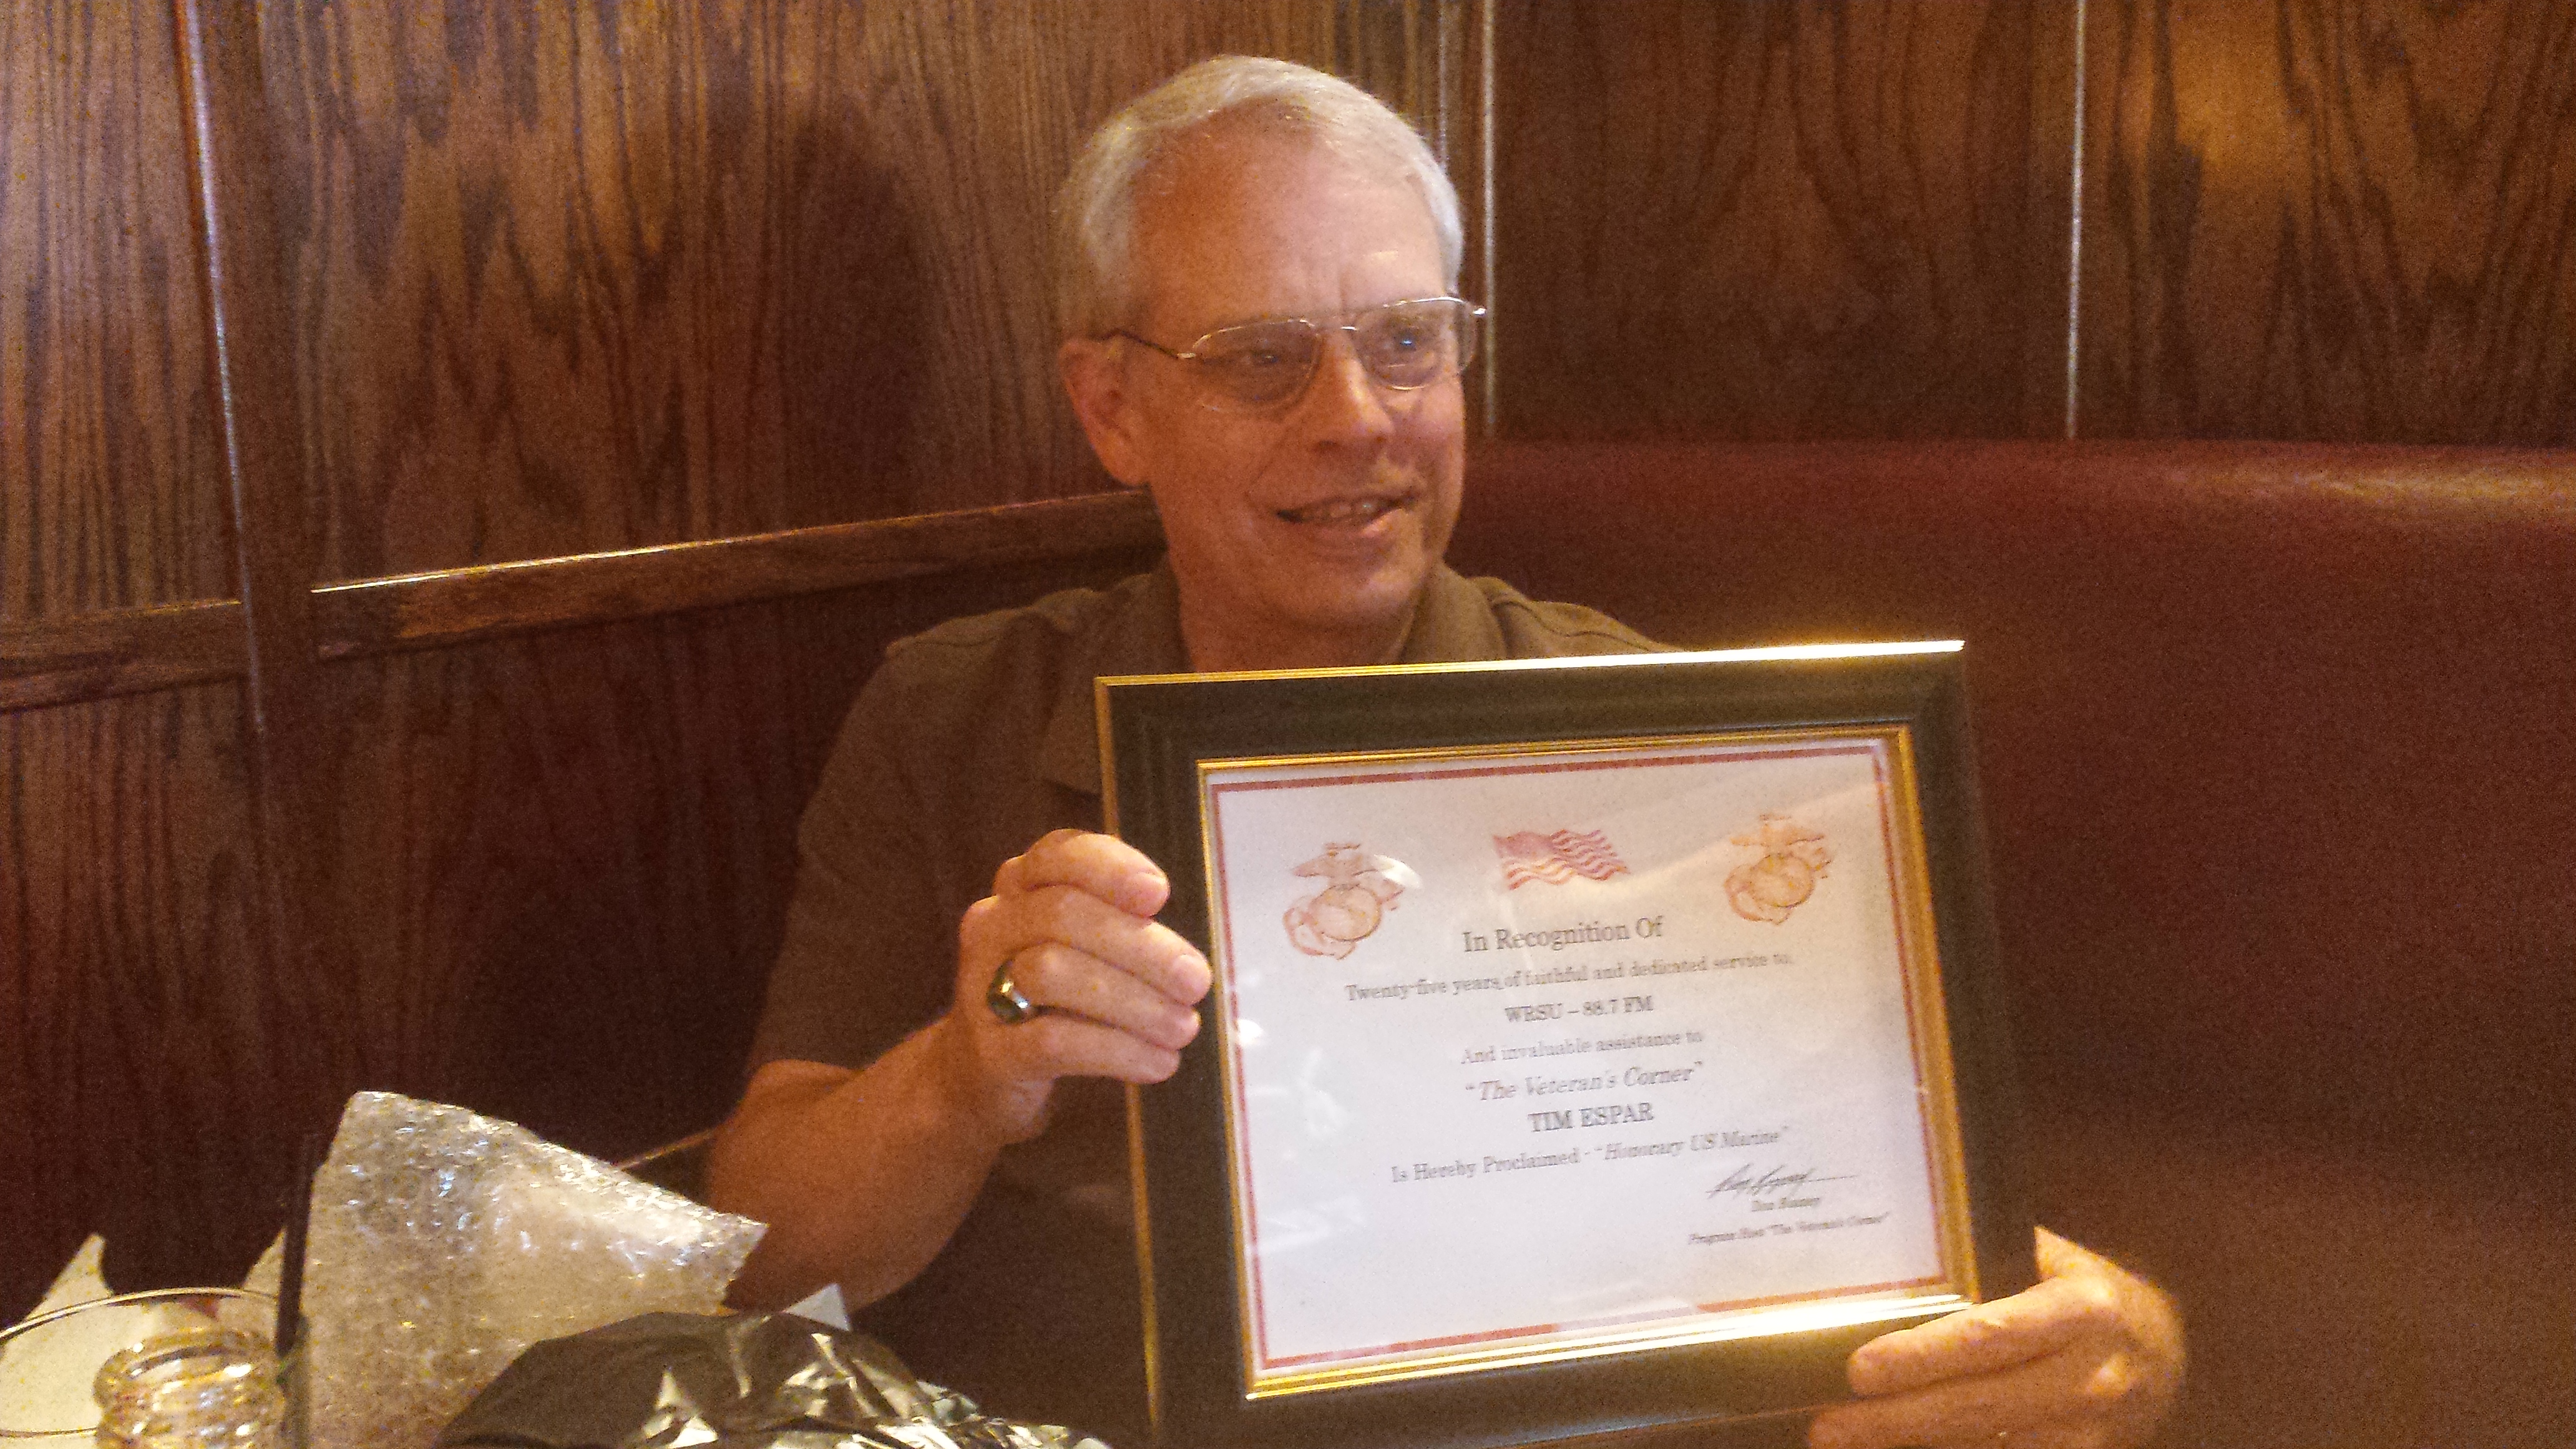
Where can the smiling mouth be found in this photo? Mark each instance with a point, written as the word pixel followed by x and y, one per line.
pixel 1342 512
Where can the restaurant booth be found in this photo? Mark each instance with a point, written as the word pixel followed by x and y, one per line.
pixel 457 467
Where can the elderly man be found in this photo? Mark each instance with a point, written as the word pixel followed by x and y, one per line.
pixel 1258 274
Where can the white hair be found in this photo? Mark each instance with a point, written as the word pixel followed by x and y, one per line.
pixel 1095 212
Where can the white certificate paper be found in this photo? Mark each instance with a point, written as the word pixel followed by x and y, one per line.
pixel 1567 1049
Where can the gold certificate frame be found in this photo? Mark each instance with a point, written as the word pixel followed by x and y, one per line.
pixel 1599 1046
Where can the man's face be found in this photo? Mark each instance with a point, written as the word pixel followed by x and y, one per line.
pixel 1303 534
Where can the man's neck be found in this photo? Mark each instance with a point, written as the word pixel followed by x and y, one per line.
pixel 1214 649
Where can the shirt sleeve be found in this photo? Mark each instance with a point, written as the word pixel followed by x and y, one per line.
pixel 868 957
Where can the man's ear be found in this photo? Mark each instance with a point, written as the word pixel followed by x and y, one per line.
pixel 1095 378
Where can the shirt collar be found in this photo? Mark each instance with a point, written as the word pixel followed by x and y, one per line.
pixel 1139 632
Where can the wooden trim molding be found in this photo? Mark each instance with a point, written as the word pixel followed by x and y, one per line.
pixel 453 606
pixel 121 651
pixel 250 342
pixel 129 651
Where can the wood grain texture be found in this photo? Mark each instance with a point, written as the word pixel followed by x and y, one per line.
pixel 233 196
pixel 456 606
pixel 1782 222
pixel 136 1095
pixel 122 651
pixel 2347 221
pixel 558 865
pixel 109 494
pixel 586 277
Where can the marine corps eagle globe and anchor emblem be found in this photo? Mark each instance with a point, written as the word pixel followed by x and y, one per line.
pixel 1358 891
pixel 1779 880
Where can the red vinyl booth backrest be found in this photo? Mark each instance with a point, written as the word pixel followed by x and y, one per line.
pixel 2275 740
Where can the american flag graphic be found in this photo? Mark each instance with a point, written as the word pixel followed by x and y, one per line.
pixel 1557 858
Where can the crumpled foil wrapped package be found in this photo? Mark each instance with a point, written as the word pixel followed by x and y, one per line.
pixel 443 1243
pixel 757 1381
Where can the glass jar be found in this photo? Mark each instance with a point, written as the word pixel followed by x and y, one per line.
pixel 174 1368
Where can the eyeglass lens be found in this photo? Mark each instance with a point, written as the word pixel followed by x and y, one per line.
pixel 1404 345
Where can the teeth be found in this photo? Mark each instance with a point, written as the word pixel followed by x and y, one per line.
pixel 1339 511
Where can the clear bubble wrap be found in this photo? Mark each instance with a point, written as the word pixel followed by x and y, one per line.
pixel 757 1381
pixel 442 1244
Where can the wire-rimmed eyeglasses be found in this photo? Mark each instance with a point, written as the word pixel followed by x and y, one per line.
pixel 1257 366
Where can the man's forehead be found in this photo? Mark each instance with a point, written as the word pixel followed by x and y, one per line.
pixel 1231 165
pixel 1238 138
pixel 1214 227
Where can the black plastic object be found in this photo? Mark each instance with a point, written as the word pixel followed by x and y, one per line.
pixel 750 1381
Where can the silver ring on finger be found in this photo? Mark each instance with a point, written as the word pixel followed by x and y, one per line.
pixel 1004 998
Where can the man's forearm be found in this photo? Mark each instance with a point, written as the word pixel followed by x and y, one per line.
pixel 861 1176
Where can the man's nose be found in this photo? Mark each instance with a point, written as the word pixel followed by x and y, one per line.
pixel 1342 400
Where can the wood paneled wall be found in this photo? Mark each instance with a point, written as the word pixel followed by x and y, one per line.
pixel 1782 221
pixel 136 1095
pixel 2344 220
pixel 109 493
pixel 461 461
pixel 131 1015
pixel 583 277
pixel 460 458
pixel 2351 221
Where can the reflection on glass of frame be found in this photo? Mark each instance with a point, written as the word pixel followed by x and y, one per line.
pixel 1587 1020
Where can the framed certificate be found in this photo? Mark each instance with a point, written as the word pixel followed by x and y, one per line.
pixel 1598 1046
